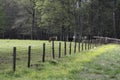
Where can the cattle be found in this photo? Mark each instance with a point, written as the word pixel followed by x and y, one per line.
pixel 53 38
pixel 70 39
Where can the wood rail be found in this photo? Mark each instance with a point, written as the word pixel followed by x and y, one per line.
pixel 108 39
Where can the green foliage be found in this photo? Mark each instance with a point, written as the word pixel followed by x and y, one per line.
pixel 2 20
pixel 94 17
pixel 57 14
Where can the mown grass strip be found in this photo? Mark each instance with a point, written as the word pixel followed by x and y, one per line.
pixel 104 67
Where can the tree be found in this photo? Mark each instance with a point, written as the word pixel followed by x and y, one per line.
pixel 2 22
pixel 64 18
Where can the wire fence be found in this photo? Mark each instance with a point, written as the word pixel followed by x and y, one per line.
pixel 32 56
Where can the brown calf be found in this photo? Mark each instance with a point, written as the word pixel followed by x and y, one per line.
pixel 53 38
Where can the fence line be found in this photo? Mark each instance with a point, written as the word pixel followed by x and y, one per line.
pixel 84 45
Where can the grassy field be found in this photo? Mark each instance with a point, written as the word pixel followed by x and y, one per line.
pixel 6 52
pixel 100 63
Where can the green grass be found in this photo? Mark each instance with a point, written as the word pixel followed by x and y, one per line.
pixel 100 63
pixel 6 52
pixel 104 67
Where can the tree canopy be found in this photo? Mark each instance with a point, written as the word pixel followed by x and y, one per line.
pixel 39 18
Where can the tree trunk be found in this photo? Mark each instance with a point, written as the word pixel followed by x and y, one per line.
pixel 115 20
pixel 33 20
pixel 3 35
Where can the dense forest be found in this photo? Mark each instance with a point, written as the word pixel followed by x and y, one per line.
pixel 39 19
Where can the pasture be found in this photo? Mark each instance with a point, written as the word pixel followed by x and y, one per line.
pixel 6 52
pixel 101 62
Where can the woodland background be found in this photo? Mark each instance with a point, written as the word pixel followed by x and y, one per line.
pixel 39 19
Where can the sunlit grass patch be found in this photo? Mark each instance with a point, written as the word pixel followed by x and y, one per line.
pixel 105 67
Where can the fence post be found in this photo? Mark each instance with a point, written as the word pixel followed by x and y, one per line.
pixel 29 55
pixel 43 57
pixel 14 59
pixel 98 42
pixel 65 48
pixel 75 47
pixel 85 45
pixel 79 46
pixel 88 44
pixel 60 50
pixel 70 48
pixel 53 50
pixel 95 42
pixel 82 45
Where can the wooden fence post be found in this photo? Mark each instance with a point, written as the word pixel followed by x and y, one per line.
pixel 88 44
pixel 100 42
pixel 75 47
pixel 79 46
pixel 70 48
pixel 60 50
pixel 43 57
pixel 53 50
pixel 82 46
pixel 14 59
pixel 95 42
pixel 65 48
pixel 29 56
pixel 93 45
pixel 85 45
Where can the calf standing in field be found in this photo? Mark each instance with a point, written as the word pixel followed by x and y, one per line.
pixel 53 38
pixel 70 39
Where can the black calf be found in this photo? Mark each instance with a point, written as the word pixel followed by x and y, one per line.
pixel 70 39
